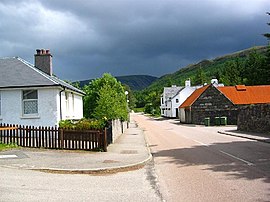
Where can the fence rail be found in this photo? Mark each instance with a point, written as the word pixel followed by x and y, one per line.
pixel 53 137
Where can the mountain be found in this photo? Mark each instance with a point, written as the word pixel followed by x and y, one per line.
pixel 135 82
pixel 209 67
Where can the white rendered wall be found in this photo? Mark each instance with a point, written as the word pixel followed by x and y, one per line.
pixel 73 107
pixel 78 107
pixel 182 115
pixel 185 93
pixel 175 106
pixel 12 108
pixel 48 107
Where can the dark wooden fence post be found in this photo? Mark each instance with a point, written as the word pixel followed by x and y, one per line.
pixel 61 134
pixel 105 139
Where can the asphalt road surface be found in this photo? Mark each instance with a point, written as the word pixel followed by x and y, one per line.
pixel 27 185
pixel 198 164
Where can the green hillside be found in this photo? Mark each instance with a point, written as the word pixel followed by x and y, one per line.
pixel 249 67
pixel 211 68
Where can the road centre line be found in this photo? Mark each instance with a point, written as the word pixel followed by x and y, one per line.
pixel 235 157
pixel 201 143
pixel 232 156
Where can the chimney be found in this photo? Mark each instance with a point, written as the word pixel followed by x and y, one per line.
pixel 187 83
pixel 43 61
pixel 214 82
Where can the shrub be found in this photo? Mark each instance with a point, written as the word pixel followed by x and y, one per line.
pixel 83 124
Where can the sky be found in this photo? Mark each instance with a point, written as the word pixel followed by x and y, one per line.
pixel 88 38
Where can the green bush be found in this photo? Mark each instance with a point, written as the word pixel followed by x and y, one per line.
pixel 83 124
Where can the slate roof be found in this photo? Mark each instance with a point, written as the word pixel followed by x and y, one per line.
pixel 171 92
pixel 242 94
pixel 17 73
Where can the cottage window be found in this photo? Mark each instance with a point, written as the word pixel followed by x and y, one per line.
pixel 177 100
pixel 30 102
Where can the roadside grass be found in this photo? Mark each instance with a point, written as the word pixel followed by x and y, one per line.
pixel 7 146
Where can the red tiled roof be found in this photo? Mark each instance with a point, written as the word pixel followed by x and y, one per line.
pixel 242 94
pixel 193 97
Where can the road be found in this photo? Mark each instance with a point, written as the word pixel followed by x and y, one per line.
pixel 28 185
pixel 198 164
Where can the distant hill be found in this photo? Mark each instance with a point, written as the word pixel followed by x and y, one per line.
pixel 135 82
pixel 210 67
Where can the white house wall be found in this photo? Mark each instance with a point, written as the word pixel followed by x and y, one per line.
pixel 174 106
pixel 78 107
pixel 48 107
pixel 72 108
pixel 182 115
pixel 12 108
pixel 184 94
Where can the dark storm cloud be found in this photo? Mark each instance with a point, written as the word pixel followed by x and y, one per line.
pixel 88 38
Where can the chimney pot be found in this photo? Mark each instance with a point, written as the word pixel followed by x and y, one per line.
pixel 38 51
pixel 47 51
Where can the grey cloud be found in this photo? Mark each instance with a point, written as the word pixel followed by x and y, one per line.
pixel 155 37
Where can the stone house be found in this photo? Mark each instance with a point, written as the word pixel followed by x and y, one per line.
pixel 31 95
pixel 217 101
pixel 173 97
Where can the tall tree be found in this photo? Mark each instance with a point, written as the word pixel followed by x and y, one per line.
pixel 200 77
pixel 231 75
pixel 105 97
pixel 255 72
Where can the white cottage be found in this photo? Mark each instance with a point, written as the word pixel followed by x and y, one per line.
pixel 31 95
pixel 173 97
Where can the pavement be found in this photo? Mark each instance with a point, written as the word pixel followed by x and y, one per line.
pixel 130 151
pixel 260 137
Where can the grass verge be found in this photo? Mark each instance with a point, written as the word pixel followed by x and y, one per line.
pixel 7 146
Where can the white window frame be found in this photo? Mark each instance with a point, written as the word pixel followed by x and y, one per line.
pixel 29 100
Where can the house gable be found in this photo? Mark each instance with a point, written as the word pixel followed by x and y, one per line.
pixel 212 103
pixel 193 97
pixel 212 99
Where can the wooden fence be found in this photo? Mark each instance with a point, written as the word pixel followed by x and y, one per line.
pixel 53 137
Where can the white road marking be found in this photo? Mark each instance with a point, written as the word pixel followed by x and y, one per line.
pixel 201 143
pixel 8 156
pixel 235 157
